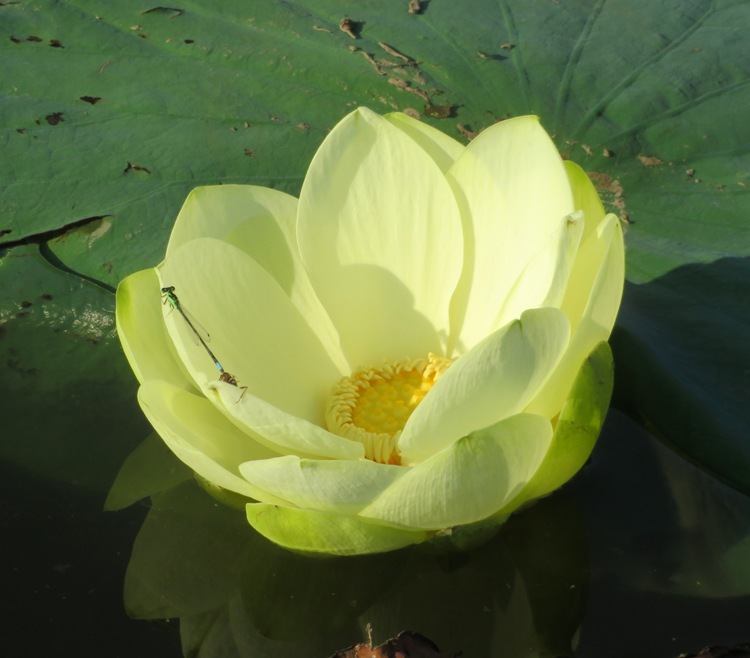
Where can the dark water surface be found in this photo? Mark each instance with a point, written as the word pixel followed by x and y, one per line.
pixel 640 555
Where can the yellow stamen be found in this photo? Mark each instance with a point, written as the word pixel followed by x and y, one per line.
pixel 373 404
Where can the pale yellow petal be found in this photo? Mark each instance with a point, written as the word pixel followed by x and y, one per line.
pixel 592 301
pixel 472 479
pixel 496 379
pixel 442 149
pixel 513 192
pixel 142 333
pixel 281 431
pixel 585 197
pixel 545 277
pixel 333 485
pixel 256 332
pixel 380 235
pixel 220 211
pixel 262 222
pixel 200 435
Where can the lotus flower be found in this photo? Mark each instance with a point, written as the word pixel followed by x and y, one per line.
pixel 417 345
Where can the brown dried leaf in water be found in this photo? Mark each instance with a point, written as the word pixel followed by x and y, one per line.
pixel 415 7
pixel 407 644
pixel 737 651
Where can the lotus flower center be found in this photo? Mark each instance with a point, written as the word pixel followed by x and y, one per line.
pixel 373 404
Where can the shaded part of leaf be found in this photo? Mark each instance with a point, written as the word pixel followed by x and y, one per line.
pixel 682 362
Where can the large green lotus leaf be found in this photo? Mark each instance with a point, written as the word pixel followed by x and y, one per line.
pixel 66 391
pixel 111 112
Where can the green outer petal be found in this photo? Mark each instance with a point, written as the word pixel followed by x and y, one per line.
pixel 380 235
pixel 585 198
pixel 595 245
pixel 601 287
pixel 262 222
pixel 144 338
pixel 327 532
pixel 331 485
pixel 200 435
pixel 496 379
pixel 256 332
pixel 600 281
pixel 473 479
pixel 442 149
pixel 577 428
pixel 513 191
pixel 281 431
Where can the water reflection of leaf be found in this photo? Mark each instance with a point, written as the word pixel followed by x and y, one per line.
pixel 639 535
pixel 238 595
pixel 150 468
pixel 666 542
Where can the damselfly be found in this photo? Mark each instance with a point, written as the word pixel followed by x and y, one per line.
pixel 169 297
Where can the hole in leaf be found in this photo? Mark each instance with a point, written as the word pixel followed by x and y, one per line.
pixel 54 118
